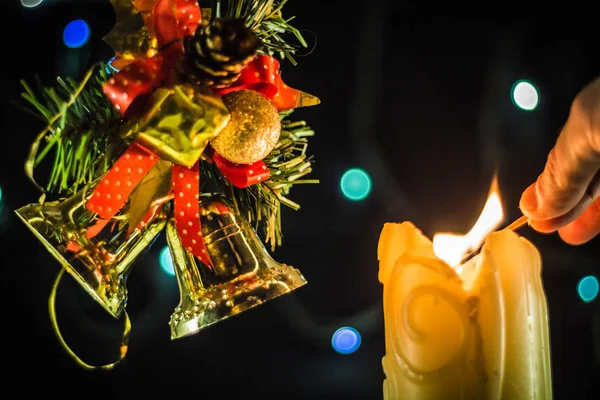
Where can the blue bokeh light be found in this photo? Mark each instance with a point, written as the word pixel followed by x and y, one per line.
pixel 110 69
pixel 76 34
pixel 166 261
pixel 346 340
pixel 355 184
pixel 588 288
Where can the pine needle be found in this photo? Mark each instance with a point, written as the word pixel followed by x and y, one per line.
pixel 82 133
pixel 261 203
pixel 265 18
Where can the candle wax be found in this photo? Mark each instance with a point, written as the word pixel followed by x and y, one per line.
pixel 478 331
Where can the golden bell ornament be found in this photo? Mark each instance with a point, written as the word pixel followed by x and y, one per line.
pixel 253 130
pixel 243 274
pixel 100 263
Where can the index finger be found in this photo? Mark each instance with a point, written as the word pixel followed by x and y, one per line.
pixel 570 168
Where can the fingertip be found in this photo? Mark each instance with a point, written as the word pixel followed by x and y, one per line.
pixel 571 236
pixel 528 202
pixel 549 226
pixel 584 228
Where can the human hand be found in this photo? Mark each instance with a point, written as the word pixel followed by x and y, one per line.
pixel 565 196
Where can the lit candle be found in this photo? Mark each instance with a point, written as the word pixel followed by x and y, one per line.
pixel 473 330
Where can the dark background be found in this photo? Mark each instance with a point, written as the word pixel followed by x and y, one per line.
pixel 417 96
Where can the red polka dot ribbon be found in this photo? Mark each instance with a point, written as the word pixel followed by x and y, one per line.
pixel 175 19
pixel 186 183
pixel 112 194
pixel 138 78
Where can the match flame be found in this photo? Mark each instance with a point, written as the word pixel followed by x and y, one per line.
pixel 453 248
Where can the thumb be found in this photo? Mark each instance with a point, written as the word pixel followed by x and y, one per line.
pixel 570 167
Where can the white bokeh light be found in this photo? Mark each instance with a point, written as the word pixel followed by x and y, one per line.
pixel 525 95
pixel 31 3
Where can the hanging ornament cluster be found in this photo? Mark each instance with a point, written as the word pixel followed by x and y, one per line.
pixel 190 137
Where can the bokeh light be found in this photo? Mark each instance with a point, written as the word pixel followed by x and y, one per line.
pixel 355 184
pixel 31 3
pixel 588 288
pixel 166 261
pixel 525 95
pixel 76 34
pixel 346 340
pixel 110 69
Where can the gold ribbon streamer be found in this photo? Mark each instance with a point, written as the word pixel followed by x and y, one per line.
pixel 52 310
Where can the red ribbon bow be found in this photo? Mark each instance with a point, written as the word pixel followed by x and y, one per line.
pixel 172 21
pixel 264 76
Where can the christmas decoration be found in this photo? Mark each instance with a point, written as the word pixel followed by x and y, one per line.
pixel 191 136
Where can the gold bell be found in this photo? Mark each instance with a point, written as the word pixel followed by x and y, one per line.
pixel 101 263
pixel 243 274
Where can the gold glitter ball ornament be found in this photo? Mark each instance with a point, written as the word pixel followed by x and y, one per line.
pixel 252 131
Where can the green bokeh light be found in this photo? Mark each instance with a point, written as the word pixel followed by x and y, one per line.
pixel 588 288
pixel 355 184
pixel 166 261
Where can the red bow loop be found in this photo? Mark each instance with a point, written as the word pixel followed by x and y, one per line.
pixel 175 19
pixel 172 21
pixel 263 75
pixel 136 79
pixel 242 175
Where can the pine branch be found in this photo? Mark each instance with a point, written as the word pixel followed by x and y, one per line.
pixel 261 203
pixel 84 139
pixel 266 19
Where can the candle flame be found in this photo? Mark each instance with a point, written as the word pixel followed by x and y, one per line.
pixel 453 248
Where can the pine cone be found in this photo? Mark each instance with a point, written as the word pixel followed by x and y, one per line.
pixel 217 53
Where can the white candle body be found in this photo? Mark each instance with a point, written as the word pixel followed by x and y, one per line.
pixel 481 335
